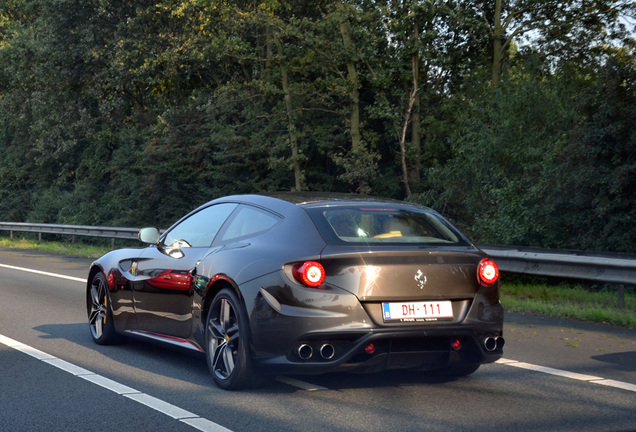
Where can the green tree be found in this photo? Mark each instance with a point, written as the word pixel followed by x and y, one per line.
pixel 562 29
pixel 499 183
pixel 597 185
pixel 131 112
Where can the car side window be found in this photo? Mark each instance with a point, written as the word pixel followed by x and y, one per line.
pixel 199 229
pixel 248 221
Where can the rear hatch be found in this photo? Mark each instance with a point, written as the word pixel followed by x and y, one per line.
pixel 384 274
pixel 407 286
pixel 404 262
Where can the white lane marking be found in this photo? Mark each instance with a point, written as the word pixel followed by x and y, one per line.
pixel 109 384
pixel 617 384
pixel 299 384
pixel 67 367
pixel 163 407
pixel 567 374
pixel 168 409
pixel 43 273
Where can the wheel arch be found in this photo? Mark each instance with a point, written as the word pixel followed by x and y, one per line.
pixel 218 283
pixel 95 268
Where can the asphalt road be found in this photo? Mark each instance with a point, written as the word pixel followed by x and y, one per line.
pixel 556 375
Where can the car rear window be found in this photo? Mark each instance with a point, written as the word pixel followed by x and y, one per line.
pixel 383 225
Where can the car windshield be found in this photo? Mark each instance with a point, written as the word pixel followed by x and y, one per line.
pixel 383 225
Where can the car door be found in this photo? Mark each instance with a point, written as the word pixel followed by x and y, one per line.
pixel 163 290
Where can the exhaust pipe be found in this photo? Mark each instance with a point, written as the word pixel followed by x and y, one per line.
pixel 305 351
pixel 500 342
pixel 493 343
pixel 490 343
pixel 327 351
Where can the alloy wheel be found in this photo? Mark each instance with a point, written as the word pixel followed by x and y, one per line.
pixel 224 339
pixel 98 313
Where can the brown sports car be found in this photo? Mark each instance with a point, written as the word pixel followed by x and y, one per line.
pixel 304 283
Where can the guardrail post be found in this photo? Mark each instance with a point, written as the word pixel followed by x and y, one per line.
pixel 621 296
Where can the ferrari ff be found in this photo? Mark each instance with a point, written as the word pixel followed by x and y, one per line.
pixel 303 284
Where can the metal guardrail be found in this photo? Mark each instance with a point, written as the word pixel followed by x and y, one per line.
pixel 600 267
pixel 72 230
pixel 607 268
pixel 618 269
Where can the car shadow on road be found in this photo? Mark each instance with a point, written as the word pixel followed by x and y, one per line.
pixel 392 378
pixel 624 361
pixel 140 354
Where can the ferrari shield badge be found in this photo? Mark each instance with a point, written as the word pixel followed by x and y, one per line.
pixel 420 278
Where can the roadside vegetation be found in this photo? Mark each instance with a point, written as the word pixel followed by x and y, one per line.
pixel 586 302
pixel 574 300
pixel 81 249
pixel 514 119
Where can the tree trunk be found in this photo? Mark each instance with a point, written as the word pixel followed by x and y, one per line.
pixel 269 54
pixel 407 118
pixel 497 44
pixel 293 142
pixel 415 119
pixel 352 75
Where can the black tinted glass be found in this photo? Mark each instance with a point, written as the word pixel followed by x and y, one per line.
pixel 384 225
pixel 248 221
pixel 199 229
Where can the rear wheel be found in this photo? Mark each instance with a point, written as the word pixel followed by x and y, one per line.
pixel 227 343
pixel 100 315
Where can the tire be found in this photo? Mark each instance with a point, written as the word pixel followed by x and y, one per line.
pixel 227 343
pixel 100 315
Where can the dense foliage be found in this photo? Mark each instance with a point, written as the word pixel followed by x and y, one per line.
pixel 515 118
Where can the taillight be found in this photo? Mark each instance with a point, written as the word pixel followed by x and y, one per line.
pixel 488 271
pixel 310 273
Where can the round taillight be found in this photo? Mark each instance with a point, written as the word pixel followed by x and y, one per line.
pixel 488 271
pixel 311 273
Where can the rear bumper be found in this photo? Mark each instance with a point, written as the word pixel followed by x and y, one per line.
pixel 309 331
pixel 380 349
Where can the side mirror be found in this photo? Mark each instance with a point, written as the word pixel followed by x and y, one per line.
pixel 149 235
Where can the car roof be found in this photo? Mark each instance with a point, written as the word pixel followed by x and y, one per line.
pixel 278 201
pixel 306 198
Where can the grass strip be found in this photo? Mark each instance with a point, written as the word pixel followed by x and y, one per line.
pixel 81 250
pixel 576 301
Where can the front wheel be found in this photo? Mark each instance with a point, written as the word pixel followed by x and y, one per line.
pixel 100 315
pixel 227 343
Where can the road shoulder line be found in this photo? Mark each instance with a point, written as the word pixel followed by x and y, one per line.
pixel 159 405
pixel 10 267
pixel 568 374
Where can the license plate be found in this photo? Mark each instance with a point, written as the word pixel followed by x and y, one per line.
pixel 417 311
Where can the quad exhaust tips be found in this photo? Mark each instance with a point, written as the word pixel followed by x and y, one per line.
pixel 493 343
pixel 327 351
pixel 305 351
